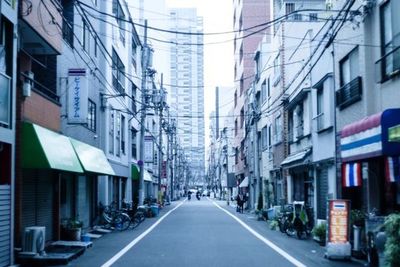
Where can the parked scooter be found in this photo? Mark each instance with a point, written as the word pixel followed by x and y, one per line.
pixel 189 195
pixel 285 217
pixel 198 195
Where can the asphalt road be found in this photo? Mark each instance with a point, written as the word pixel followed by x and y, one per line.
pixel 201 233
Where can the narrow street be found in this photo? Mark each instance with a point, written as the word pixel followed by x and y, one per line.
pixel 201 233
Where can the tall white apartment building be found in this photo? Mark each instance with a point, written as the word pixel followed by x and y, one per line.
pixel 186 94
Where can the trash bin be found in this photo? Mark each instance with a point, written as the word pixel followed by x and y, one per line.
pixel 154 210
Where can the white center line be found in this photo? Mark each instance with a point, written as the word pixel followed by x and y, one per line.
pixel 263 239
pixel 137 239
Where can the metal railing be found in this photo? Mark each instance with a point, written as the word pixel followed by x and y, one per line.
pixel 388 65
pixel 349 93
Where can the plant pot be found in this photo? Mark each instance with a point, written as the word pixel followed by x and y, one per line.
pixel 71 234
pixel 320 241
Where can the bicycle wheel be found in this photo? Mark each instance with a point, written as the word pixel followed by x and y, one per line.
pixel 134 223
pixel 122 222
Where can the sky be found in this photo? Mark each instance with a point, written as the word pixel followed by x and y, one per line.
pixel 218 58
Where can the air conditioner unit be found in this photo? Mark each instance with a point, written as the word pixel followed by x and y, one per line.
pixel 33 240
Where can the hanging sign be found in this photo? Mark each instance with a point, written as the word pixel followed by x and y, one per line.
pixel 77 96
pixel 148 149
pixel 338 221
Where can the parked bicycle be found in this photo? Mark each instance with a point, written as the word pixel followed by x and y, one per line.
pixel 136 215
pixel 299 223
pixel 114 218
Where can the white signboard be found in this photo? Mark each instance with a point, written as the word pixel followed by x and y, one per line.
pixel 77 96
pixel 148 149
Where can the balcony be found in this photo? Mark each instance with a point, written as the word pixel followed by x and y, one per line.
pixel 40 24
pixel 349 93
pixel 388 66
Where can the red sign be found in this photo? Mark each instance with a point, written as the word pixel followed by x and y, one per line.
pixel 164 169
pixel 339 221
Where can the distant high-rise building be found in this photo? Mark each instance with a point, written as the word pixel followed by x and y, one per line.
pixel 187 86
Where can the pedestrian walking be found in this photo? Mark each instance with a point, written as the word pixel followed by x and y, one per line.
pixel 239 203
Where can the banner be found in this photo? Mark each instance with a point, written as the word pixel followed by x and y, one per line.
pixel 148 149
pixel 339 221
pixel 77 96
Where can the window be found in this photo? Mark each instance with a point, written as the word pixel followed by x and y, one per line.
pixel 118 71
pixel 95 46
pixel 134 143
pixel 68 21
pixel 86 37
pixel 258 65
pixel 241 53
pixel 235 98
pixel 111 133
pixel 123 134
pixel 134 107
pixel 320 108
pixel 349 69
pixel 390 38
pixel 120 16
pixel 118 135
pixel 236 155
pixel 299 120
pixel 268 88
pixel 313 16
pixel 242 150
pixel 278 130
pixel 350 80
pixel 241 118
pixel 236 127
pixel 264 91
pixel 241 85
pixel 5 101
pixel 264 137
pixel 91 119
pixel 134 53
pixel 297 17
pixel 290 8
pixel 277 69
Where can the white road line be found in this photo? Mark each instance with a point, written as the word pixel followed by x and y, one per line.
pixel 137 239
pixel 263 239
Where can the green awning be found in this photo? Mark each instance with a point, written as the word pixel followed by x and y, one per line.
pixel 45 149
pixel 92 158
pixel 135 172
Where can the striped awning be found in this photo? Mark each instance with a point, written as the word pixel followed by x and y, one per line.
pixel 371 137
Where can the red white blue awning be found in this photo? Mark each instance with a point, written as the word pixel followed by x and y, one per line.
pixel 392 169
pixel 369 137
pixel 351 174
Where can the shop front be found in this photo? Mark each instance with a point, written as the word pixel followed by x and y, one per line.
pixel 46 157
pixel 370 152
pixel 83 190
pixel 59 180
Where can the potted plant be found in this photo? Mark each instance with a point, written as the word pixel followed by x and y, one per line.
pixel 357 218
pixel 71 229
pixel 392 245
pixel 319 233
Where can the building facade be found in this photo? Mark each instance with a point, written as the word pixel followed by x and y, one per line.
pixel 187 85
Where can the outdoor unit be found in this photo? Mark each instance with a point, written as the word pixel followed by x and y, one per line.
pixel 33 240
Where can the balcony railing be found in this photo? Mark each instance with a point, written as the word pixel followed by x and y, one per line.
pixel 349 93
pixel 388 66
pixel 68 33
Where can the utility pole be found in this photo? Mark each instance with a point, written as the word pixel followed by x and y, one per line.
pixel 226 150
pixel 160 157
pixel 145 59
pixel 168 130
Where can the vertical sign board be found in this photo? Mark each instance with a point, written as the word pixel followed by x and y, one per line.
pixel 164 169
pixel 77 96
pixel 338 221
pixel 338 245
pixel 148 149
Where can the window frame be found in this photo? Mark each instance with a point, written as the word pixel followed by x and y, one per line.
pixel 92 116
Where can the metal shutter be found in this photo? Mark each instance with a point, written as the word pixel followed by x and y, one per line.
pixel 5 224
pixel 322 192
pixel 38 201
